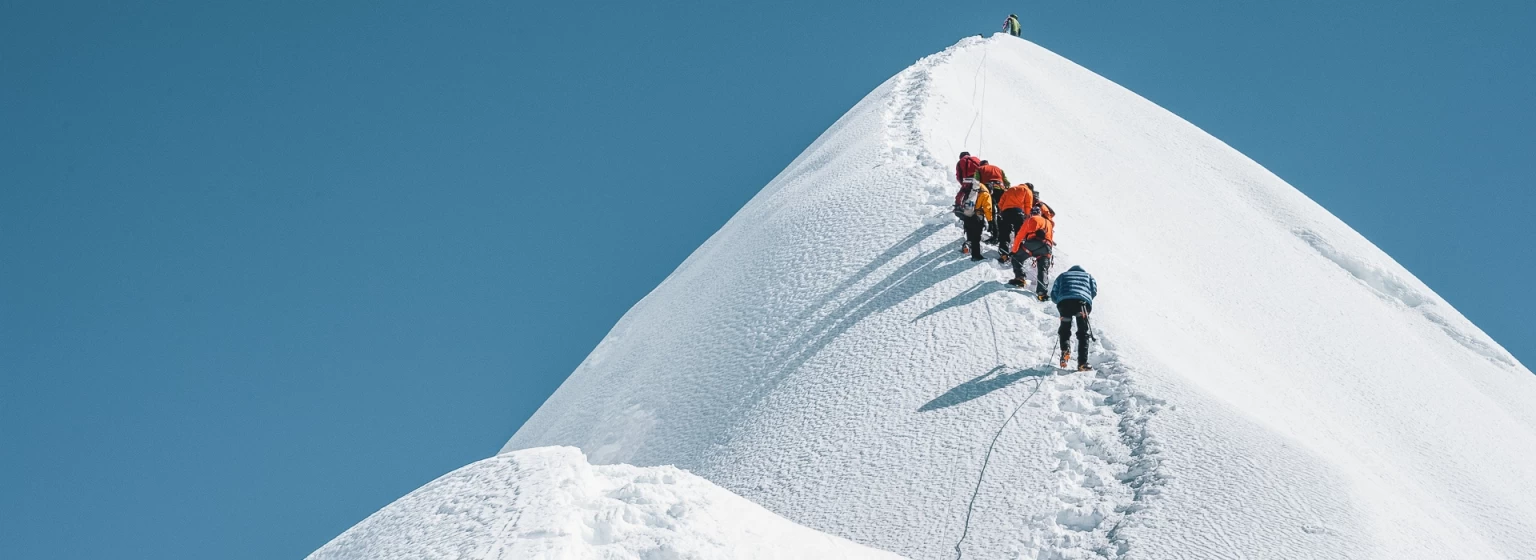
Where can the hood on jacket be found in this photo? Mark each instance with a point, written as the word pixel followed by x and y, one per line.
pixel 1077 268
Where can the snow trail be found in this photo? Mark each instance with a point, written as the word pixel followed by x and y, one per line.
pixel 1095 453
pixel 1267 382
pixel 834 366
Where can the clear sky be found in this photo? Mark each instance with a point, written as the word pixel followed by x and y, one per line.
pixel 265 268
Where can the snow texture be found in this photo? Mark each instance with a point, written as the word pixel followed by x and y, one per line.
pixel 1267 384
pixel 549 503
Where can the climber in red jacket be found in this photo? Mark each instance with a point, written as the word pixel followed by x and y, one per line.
pixel 965 173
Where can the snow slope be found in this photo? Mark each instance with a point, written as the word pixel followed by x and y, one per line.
pixel 1269 384
pixel 549 503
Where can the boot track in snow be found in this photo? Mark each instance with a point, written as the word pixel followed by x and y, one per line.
pixel 1108 461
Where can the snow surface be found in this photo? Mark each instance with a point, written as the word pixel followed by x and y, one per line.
pixel 549 503
pixel 1268 383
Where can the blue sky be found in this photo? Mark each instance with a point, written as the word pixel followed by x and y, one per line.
pixel 265 268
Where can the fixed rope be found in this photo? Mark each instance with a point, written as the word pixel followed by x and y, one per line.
pixel 987 458
pixel 981 69
pixel 981 141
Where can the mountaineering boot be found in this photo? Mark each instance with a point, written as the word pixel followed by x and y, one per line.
pixel 1042 296
pixel 1084 367
pixel 1065 357
pixel 1002 257
pixel 965 248
pixel 1018 281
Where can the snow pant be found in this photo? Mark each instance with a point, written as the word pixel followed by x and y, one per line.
pixel 973 227
pixel 1008 223
pixel 1069 310
pixel 1042 267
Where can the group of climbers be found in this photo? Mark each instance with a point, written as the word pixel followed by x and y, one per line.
pixel 1023 226
pixel 1014 214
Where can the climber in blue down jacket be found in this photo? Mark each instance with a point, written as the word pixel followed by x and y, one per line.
pixel 1073 292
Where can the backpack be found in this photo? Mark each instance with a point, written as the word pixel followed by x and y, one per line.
pixel 968 208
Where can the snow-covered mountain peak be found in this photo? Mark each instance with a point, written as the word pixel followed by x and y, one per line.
pixel 1268 383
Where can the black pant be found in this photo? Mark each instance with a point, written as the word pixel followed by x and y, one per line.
pixel 973 227
pixel 1069 309
pixel 1008 224
pixel 1042 267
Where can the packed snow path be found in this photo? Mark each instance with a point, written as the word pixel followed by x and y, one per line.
pixel 1275 386
pixel 1268 384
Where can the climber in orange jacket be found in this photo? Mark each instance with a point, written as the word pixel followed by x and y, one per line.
pixel 1012 208
pixel 1037 236
pixel 1045 209
pixel 989 174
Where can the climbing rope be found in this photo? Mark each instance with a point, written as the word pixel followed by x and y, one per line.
pixel 981 69
pixel 981 140
pixel 987 459
pixel 997 355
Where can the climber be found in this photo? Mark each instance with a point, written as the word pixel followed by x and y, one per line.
pixel 980 212
pixel 1045 209
pixel 965 173
pixel 988 174
pixel 993 177
pixel 1012 208
pixel 1011 25
pixel 1073 291
pixel 1037 237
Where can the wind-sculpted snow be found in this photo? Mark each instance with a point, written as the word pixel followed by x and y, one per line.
pixel 549 503
pixel 1267 384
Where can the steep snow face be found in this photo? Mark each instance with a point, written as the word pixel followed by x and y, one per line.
pixel 549 503
pixel 1268 382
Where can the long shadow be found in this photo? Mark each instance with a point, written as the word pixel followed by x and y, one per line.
pixel 982 385
pixel 906 280
pixel 970 295
pixel 884 258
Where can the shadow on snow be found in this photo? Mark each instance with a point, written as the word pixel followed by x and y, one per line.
pixel 905 280
pixel 970 295
pixel 982 385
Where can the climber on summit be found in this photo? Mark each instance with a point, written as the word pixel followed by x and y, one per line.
pixel 1012 208
pixel 1011 25
pixel 1073 291
pixel 1036 236
pixel 965 173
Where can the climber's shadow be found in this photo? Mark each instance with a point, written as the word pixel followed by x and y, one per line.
pixel 980 386
pixel 970 295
